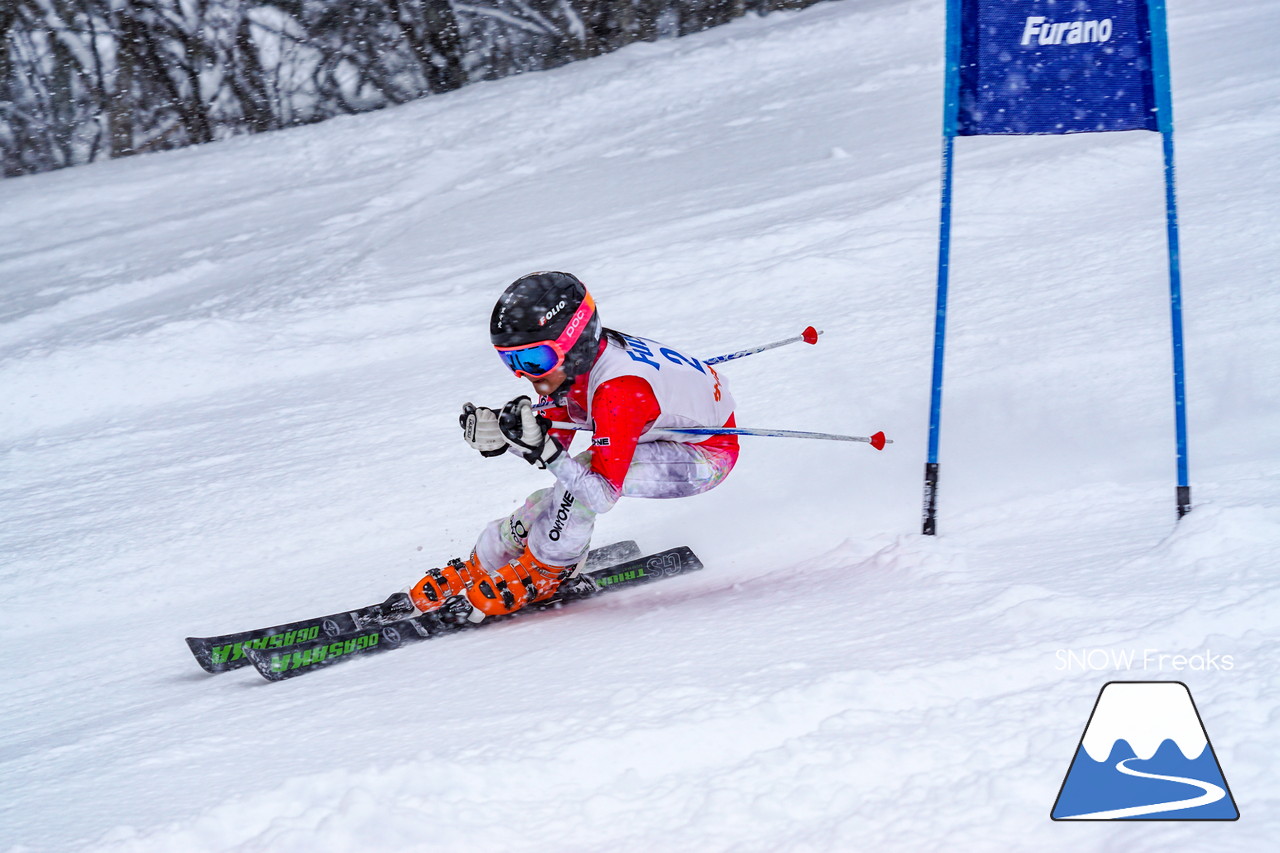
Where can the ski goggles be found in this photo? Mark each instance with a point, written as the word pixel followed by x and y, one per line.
pixel 536 360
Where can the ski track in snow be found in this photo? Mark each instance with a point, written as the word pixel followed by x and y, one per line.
pixel 231 376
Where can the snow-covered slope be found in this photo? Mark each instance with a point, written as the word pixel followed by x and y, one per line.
pixel 230 381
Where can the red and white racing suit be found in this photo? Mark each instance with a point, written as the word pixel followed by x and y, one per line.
pixel 632 389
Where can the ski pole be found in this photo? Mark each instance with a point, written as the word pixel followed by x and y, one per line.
pixel 809 336
pixel 878 441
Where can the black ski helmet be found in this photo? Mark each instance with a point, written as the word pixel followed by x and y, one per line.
pixel 537 308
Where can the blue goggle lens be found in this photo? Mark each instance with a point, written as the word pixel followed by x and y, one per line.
pixel 534 360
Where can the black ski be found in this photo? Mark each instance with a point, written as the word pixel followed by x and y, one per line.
pixel 226 652
pixel 277 664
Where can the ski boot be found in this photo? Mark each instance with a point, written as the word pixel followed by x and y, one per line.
pixel 523 580
pixel 441 590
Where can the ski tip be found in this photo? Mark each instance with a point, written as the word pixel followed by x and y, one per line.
pixel 200 651
pixel 810 335
pixel 878 441
pixel 261 662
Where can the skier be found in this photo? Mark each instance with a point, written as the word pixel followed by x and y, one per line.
pixel 546 329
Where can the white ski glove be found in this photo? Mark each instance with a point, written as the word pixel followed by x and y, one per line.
pixel 527 432
pixel 480 430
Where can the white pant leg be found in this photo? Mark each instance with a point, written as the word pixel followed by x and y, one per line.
pixel 504 539
pixel 557 528
pixel 673 469
pixel 560 529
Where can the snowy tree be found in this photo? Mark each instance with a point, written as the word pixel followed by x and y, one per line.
pixel 85 79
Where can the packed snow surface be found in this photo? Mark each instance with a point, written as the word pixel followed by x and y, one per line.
pixel 231 376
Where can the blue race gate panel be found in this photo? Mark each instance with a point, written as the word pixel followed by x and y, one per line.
pixel 1054 66
pixel 1036 67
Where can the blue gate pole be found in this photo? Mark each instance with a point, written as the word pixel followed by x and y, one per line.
pixel 1164 113
pixel 950 120
pixel 939 342
pixel 1175 302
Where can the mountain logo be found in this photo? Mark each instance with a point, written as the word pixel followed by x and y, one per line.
pixel 1145 755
